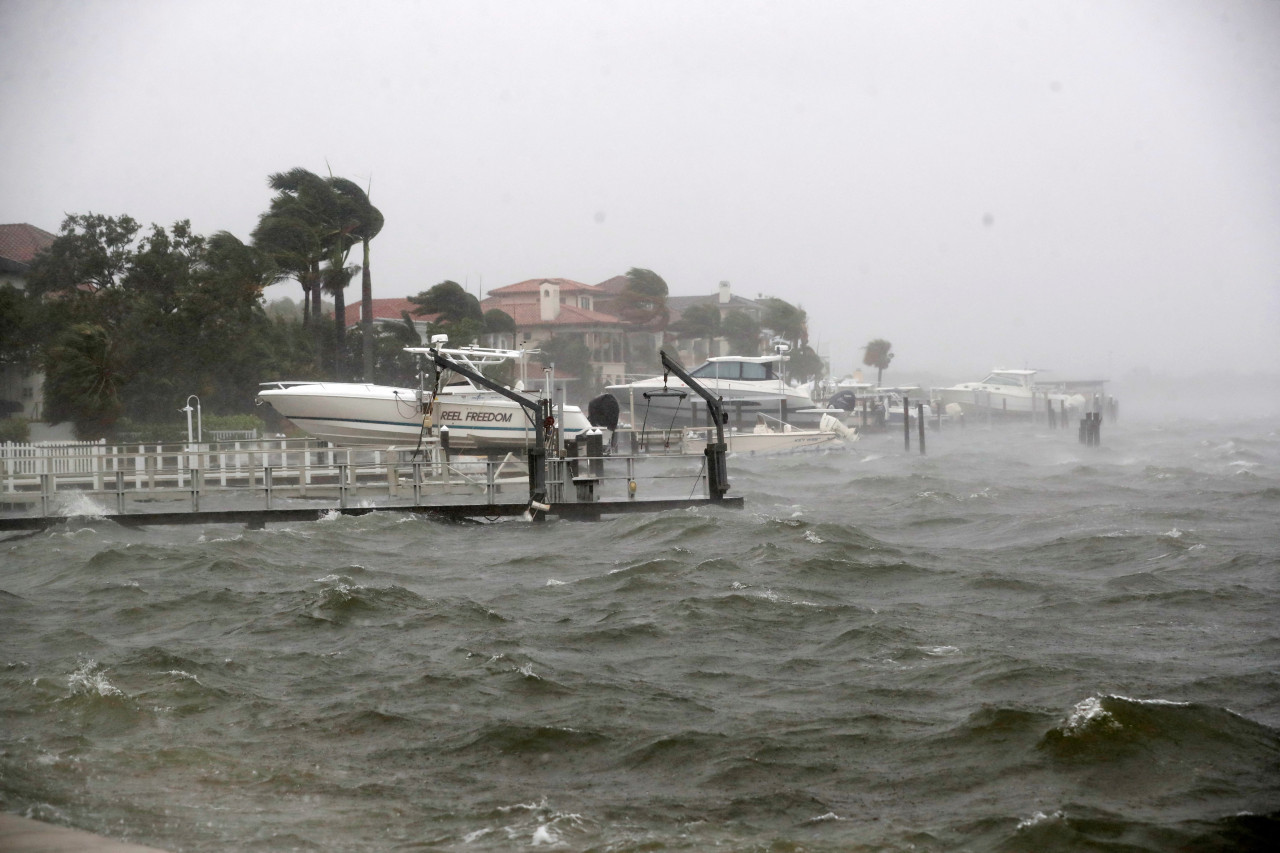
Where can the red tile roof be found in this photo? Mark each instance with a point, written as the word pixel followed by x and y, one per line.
pixel 530 314
pixel 386 309
pixel 20 242
pixel 617 284
pixel 532 285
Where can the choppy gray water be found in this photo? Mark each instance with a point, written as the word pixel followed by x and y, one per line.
pixel 1014 643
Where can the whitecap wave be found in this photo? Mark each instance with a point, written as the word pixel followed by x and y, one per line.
pixel 1040 817
pixel 90 679
pixel 78 505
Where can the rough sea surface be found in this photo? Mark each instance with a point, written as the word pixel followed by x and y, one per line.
pixel 1013 643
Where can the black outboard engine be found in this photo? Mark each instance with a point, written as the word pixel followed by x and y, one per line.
pixel 845 399
pixel 603 412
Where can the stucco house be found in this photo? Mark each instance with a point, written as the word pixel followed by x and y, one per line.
pixel 544 308
pixel 694 349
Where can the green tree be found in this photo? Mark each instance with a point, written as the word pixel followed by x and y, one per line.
pixel 878 353
pixel 805 365
pixel 742 332
pixel 334 278
pixel 19 334
pixel 643 301
pixel 391 363
pixel 84 375
pixel 702 322
pixel 291 244
pixel 368 223
pixel 309 227
pixel 571 357
pixel 177 315
pixel 785 321
pixel 499 322
pixel 92 253
pixel 292 234
pixel 459 312
pixel 450 301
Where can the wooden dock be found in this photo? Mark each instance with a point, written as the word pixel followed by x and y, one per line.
pixel 22 835
pixel 266 482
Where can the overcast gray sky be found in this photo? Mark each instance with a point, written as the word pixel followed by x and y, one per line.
pixel 1090 186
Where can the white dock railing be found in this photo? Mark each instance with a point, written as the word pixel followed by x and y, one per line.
pixel 54 479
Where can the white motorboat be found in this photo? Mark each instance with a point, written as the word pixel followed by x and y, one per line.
pixel 773 437
pixel 1004 392
pixel 746 385
pixel 350 413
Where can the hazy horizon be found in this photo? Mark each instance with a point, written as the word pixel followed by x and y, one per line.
pixel 1086 187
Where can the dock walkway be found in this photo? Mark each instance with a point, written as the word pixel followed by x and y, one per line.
pixel 278 481
pixel 22 835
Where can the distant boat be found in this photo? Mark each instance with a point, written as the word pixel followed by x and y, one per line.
pixel 350 413
pixel 773 437
pixel 1004 391
pixel 747 385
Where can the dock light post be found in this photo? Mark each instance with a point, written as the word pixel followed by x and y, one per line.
pixel 199 419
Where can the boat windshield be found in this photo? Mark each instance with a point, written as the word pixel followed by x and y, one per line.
pixel 749 370
pixel 1002 379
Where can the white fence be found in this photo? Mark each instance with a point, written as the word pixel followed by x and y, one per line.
pixel 53 457
pixel 97 457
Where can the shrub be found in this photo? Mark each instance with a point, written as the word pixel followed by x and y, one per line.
pixel 15 430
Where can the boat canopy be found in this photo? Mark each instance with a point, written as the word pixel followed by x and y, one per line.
pixel 750 369
pixel 1013 378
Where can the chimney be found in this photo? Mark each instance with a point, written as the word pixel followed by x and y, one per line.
pixel 548 301
pixel 724 293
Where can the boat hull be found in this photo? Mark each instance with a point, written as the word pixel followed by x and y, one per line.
pixel 354 414
pixel 998 402
pixel 761 444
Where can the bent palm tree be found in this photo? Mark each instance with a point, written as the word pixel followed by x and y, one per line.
pixel 878 353
pixel 368 222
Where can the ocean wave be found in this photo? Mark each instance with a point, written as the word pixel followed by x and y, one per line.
pixel 1196 750
pixel 90 679
pixel 1081 827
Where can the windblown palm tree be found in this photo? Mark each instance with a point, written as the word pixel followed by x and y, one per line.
pixel 878 353
pixel 368 222
pixel 292 233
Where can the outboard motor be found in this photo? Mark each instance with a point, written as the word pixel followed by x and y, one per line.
pixel 603 412
pixel 845 399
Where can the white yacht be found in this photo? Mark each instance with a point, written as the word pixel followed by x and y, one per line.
pixel 748 385
pixel 352 413
pixel 1004 391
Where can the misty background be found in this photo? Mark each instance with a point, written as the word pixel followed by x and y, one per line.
pixel 1087 187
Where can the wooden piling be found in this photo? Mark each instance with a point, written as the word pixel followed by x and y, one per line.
pixel 920 420
pixel 906 422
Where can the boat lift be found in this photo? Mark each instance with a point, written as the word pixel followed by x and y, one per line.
pixel 539 412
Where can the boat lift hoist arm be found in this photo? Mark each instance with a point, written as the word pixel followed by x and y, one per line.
pixel 717 468
pixel 538 452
